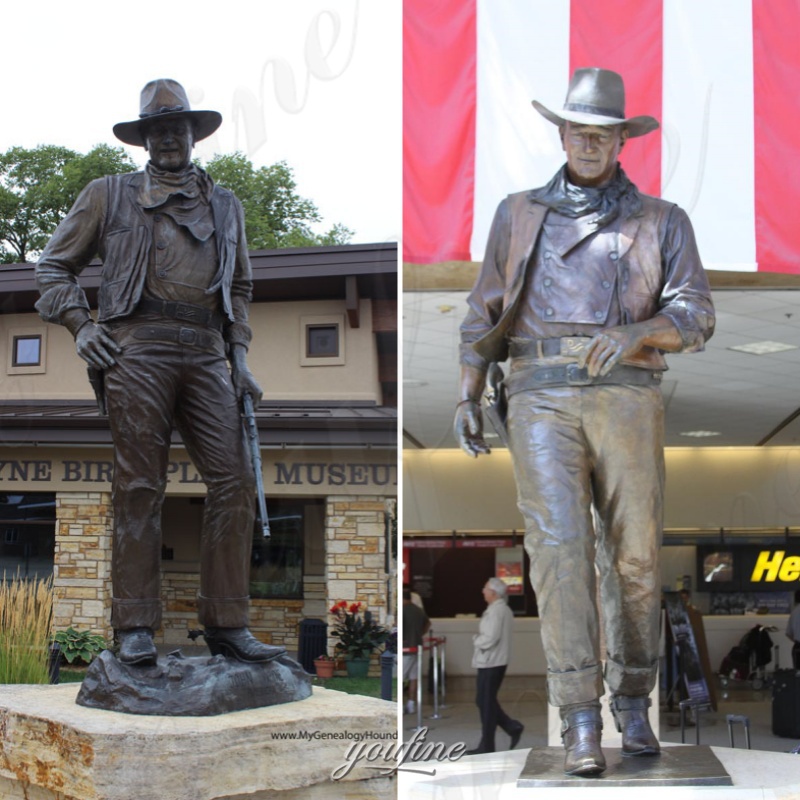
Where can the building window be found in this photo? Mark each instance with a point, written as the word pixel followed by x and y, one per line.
pixel 27 534
pixel 322 340
pixel 276 565
pixel 26 353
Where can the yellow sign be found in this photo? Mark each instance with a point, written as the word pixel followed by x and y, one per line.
pixel 775 566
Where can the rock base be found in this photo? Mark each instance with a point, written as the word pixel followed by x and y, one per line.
pixel 191 687
pixel 53 749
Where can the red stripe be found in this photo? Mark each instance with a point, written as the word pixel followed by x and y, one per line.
pixel 776 66
pixel 626 36
pixel 439 95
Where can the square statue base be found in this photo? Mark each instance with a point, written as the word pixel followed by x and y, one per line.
pixel 676 766
pixel 53 749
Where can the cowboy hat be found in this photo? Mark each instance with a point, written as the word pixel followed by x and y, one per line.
pixel 166 99
pixel 597 97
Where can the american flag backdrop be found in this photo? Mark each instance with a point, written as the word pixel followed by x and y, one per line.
pixel 722 77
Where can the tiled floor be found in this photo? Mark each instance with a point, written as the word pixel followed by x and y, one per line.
pixel 524 699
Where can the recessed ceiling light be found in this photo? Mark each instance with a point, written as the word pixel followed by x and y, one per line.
pixel 763 348
pixel 700 434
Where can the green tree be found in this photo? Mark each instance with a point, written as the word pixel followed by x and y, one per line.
pixel 37 188
pixel 274 214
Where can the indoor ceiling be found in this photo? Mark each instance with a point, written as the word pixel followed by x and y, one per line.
pixel 745 399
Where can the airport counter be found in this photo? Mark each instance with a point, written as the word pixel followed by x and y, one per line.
pixel 527 655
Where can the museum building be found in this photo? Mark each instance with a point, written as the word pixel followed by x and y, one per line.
pixel 324 350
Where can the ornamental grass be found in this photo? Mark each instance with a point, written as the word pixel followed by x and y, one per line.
pixel 26 618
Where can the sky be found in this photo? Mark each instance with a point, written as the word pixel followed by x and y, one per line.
pixel 315 83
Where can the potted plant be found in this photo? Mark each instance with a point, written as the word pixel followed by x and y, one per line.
pixel 358 635
pixel 324 665
pixel 79 646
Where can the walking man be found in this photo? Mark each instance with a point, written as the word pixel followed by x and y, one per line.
pixel 492 652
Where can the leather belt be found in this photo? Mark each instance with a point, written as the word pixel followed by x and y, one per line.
pixel 573 375
pixel 188 336
pixel 185 312
pixel 545 348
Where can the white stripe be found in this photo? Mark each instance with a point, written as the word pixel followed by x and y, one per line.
pixel 523 55
pixel 708 141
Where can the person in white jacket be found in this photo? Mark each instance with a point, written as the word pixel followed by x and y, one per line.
pixel 492 653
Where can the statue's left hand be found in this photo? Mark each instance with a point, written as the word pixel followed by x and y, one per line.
pixel 607 348
pixel 243 380
pixel 244 383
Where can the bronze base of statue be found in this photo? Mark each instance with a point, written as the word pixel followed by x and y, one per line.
pixel 675 766
pixel 191 687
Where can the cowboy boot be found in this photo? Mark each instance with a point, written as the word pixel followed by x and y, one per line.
pixel 581 729
pixel 136 647
pixel 240 644
pixel 630 715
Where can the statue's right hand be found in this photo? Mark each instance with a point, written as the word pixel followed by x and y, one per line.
pixel 468 428
pixel 96 347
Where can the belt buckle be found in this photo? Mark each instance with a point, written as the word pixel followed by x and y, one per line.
pixel 185 312
pixel 187 336
pixel 578 376
pixel 572 346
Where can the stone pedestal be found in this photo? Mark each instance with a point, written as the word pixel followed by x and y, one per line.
pixel 53 749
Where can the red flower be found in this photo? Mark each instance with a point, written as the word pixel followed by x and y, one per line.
pixel 356 630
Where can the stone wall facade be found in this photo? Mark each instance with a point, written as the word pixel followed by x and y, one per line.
pixel 355 552
pixel 355 570
pixel 82 562
pixel 271 621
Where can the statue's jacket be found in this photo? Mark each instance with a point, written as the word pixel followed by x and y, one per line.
pixel 641 267
pixel 107 221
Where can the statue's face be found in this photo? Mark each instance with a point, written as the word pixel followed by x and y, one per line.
pixel 592 151
pixel 169 143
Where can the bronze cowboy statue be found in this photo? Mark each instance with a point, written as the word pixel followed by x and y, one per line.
pixel 585 284
pixel 172 314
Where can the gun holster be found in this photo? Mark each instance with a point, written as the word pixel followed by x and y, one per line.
pixel 96 378
pixel 495 397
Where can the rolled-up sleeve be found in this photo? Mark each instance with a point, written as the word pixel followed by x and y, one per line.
pixel 685 297
pixel 239 331
pixel 73 245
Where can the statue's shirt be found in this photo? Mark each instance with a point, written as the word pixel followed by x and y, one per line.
pixel 181 267
pixel 110 220
pixel 545 275
pixel 570 286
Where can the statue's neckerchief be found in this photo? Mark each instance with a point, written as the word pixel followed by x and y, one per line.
pixel 618 197
pixel 184 196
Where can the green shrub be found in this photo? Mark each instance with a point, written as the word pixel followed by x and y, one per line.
pixel 80 645
pixel 26 615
